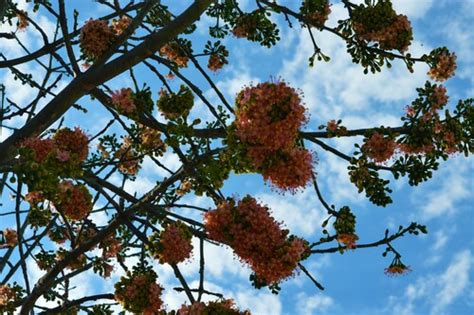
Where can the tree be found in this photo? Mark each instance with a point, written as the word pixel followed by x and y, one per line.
pixel 64 176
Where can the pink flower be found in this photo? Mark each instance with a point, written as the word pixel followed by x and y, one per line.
pixel 7 295
pixel 256 238
pixel 410 111
pixel 62 156
pixel 444 67
pixel 123 101
pixel 11 238
pixel 96 38
pixel 292 171
pixel 379 148
pixel 332 125
pixel 34 197
pixel 41 147
pixel 269 115
pixel 74 143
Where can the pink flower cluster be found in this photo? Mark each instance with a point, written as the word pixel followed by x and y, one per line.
pixel 174 53
pixel 292 171
pixel 150 140
pixel 332 125
pixel 10 238
pixel 129 162
pixel 75 264
pixel 74 201
pixel 120 25
pixel 269 115
pixel 268 118
pixel 22 17
pixel 256 238
pixel 389 37
pixel 378 22
pixel 123 101
pixel 439 98
pixel 397 268
pixel 41 148
pixel 71 144
pixel 444 67
pixel 348 239
pixel 410 149
pixel 34 197
pixel 213 307
pixel 96 38
pixel 215 63
pixel 175 244
pixel 7 295
pixel 111 247
pixel 316 12
pixel 379 148
pixel 139 293
pixel 184 188
pixel 247 25
pixel 66 146
pixel 439 135
pixel 333 128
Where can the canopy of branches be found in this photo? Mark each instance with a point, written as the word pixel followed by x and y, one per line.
pixel 143 143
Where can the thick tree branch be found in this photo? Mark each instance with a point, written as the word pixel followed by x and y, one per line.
pixel 86 82
pixel 68 305
pixel 45 282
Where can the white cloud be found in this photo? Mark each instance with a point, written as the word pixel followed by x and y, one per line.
pixel 435 291
pixel 333 171
pixel 100 218
pixel 140 185
pixel 258 303
pixel 440 240
pixel 453 281
pixel 226 264
pixel 4 133
pixel 459 37
pixel 413 9
pixel 316 265
pixel 339 89
pixel 169 160
pixel 301 212
pixel 234 84
pixel 315 304
pixel 80 285
pixel 446 195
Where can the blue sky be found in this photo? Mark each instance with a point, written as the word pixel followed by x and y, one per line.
pixel 442 261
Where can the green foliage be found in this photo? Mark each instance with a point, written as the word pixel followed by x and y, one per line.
pixel 143 101
pixel 368 180
pixel 256 27
pixel 217 49
pixel 175 105
pixel 100 309
pixel 374 14
pixel 210 173
pixel 311 6
pixel 159 15
pixel 345 221
pixel 258 283
pixel 13 295
pixel 433 137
